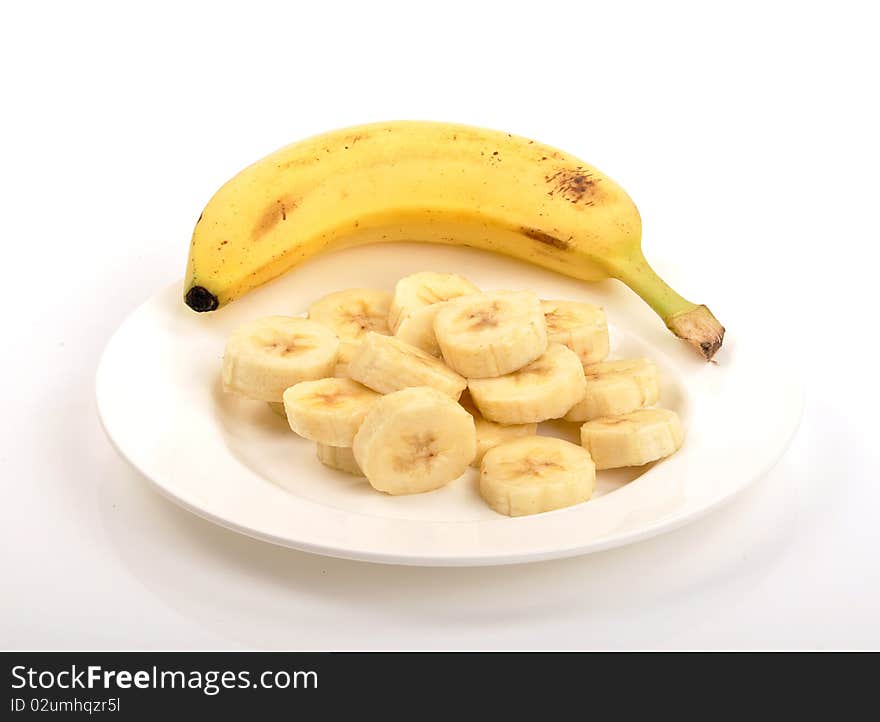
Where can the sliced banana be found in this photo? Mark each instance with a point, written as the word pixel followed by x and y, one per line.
pixel 278 409
pixel 491 334
pixel 414 440
pixel 343 358
pixel 615 388
pixel 340 458
pixel 352 313
pixel 580 326
pixel 632 439
pixel 387 364
pixel 426 288
pixel 417 329
pixel 491 434
pixel 544 389
pixel 536 474
pixel 268 355
pixel 328 410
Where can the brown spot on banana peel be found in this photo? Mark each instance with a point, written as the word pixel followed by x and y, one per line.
pixel 576 185
pixel 545 238
pixel 275 213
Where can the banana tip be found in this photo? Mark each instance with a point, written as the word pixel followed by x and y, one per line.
pixel 700 329
pixel 200 299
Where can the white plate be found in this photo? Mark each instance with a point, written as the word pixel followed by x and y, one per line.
pixel 234 462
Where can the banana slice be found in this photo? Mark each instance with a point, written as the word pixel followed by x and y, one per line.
pixel 414 440
pixel 340 458
pixel 580 326
pixel 615 388
pixel 278 409
pixel 328 410
pixel 632 439
pixel 536 474
pixel 490 434
pixel 350 314
pixel 491 334
pixel 343 358
pixel 417 329
pixel 423 289
pixel 387 364
pixel 545 389
pixel 268 355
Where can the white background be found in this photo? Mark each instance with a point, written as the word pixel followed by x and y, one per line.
pixel 747 136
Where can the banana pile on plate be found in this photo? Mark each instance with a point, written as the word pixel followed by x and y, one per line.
pixel 377 381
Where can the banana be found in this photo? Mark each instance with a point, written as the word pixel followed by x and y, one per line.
pixel 417 329
pixel 426 288
pixel 433 182
pixel 615 388
pixel 329 411
pixel 339 457
pixel 491 334
pixel 580 326
pixel 632 439
pixel 414 440
pixel 268 355
pixel 417 300
pixel 490 434
pixel 544 389
pixel 536 474
pixel 352 313
pixel 343 358
pixel 387 364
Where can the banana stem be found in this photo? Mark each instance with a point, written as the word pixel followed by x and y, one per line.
pixel 689 321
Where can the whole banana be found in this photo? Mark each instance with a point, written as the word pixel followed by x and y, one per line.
pixel 433 182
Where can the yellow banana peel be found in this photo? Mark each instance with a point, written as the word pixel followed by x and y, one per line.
pixel 432 182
